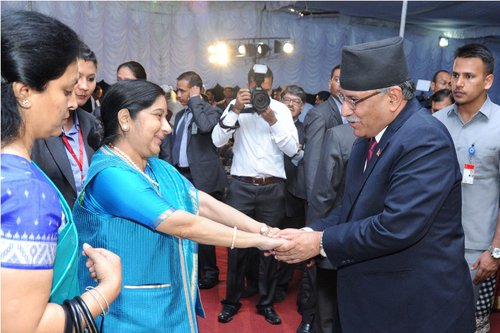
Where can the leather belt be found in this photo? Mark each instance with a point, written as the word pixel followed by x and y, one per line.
pixel 182 169
pixel 259 181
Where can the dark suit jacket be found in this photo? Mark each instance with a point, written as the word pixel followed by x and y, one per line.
pixel 397 239
pixel 50 155
pixel 294 181
pixel 204 162
pixel 329 183
pixel 317 121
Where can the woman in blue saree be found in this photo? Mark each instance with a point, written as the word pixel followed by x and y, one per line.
pixel 39 73
pixel 141 208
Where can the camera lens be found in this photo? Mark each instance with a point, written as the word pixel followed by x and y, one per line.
pixel 260 100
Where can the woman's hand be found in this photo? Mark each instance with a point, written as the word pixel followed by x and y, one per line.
pixel 268 244
pixel 104 266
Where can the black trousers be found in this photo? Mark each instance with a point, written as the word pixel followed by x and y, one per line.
pixel 266 204
pixel 326 318
pixel 207 260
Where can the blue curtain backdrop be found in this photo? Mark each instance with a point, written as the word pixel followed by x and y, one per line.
pixel 169 38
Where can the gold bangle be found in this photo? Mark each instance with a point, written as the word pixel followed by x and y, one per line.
pixel 104 298
pixel 91 292
pixel 234 237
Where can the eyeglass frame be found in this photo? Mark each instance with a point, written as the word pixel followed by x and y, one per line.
pixel 353 102
pixel 294 102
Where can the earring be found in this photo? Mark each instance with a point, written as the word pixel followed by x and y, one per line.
pixel 24 103
pixel 125 128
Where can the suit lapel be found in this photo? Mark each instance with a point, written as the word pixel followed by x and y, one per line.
pixel 336 111
pixel 56 148
pixel 86 126
pixel 360 150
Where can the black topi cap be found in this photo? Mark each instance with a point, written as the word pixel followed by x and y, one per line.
pixel 373 65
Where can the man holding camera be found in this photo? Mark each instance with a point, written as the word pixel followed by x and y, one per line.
pixel 263 131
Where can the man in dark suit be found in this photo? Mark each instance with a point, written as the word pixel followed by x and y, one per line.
pixel 397 241
pixel 195 156
pixel 317 121
pixel 294 97
pixel 52 156
pixel 327 193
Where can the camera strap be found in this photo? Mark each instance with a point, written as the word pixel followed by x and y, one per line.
pixel 224 126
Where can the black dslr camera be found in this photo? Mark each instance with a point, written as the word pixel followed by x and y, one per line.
pixel 260 97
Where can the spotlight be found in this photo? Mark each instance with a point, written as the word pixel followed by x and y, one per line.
pixel 219 53
pixel 288 47
pixel 242 50
pixel 443 42
pixel 262 49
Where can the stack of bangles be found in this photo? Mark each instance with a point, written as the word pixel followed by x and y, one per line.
pixel 76 309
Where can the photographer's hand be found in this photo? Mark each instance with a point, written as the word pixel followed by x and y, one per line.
pixel 242 97
pixel 269 116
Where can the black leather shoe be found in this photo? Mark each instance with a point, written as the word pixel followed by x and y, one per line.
pixel 270 315
pixel 304 327
pixel 228 312
pixel 207 283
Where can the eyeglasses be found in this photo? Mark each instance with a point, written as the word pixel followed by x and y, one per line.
pixel 354 102
pixel 335 79
pixel 294 101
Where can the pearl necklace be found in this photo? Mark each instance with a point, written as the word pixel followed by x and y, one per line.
pixel 129 160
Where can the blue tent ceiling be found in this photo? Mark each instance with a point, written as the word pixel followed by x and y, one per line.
pixel 433 15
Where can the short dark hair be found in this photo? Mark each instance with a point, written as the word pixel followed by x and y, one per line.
pixel 477 51
pixel 192 78
pixel 136 68
pixel 434 78
pixel 295 90
pixel 323 95
pixel 36 49
pixel 441 95
pixel 87 54
pixel 334 69
pixel 133 95
pixel 251 74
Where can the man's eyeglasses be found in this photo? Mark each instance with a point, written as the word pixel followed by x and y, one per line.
pixel 354 102
pixel 294 101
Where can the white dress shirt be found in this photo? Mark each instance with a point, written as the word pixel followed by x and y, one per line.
pixel 258 148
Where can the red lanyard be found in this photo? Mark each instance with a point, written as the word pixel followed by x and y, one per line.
pixel 79 162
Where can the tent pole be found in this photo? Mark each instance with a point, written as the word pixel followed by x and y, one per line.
pixel 403 19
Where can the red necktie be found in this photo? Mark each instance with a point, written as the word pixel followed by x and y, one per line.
pixel 373 143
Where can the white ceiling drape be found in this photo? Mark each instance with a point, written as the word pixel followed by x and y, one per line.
pixel 168 38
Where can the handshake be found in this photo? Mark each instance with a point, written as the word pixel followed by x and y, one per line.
pixel 291 245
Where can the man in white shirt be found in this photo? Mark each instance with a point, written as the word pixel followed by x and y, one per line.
pixel 258 182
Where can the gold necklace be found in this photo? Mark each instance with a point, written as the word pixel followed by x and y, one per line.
pixel 132 163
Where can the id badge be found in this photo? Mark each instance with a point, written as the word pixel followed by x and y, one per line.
pixel 194 128
pixel 468 175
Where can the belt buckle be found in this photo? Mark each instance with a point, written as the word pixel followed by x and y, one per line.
pixel 254 181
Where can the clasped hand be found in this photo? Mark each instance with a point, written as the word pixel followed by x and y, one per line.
pixel 300 245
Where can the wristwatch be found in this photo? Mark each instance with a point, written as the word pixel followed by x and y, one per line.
pixel 495 252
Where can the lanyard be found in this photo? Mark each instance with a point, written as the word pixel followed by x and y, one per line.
pixel 79 162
